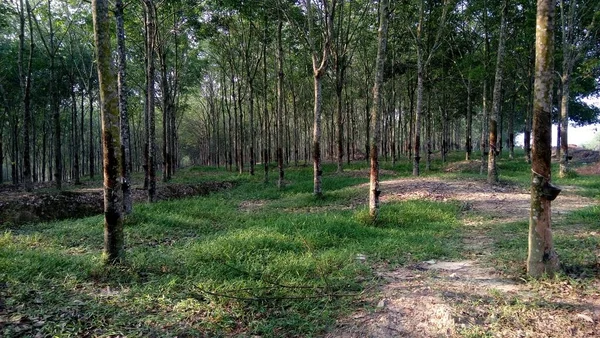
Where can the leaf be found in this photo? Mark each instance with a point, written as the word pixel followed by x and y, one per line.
pixel 585 317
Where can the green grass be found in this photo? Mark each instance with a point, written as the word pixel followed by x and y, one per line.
pixel 253 260
pixel 207 266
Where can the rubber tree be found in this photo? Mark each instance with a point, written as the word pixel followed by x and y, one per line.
pixel 111 141
pixel 579 29
pixel 150 28
pixel 376 111
pixel 496 100
pixel 319 65
pixel 542 259
pixel 425 52
pixel 124 116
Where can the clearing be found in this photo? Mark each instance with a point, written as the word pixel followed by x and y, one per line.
pixel 471 297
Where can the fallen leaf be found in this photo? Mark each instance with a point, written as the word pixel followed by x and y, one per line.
pixel 585 317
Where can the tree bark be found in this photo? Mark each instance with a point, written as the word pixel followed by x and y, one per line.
pixel 319 69
pixel 280 105
pixel 26 88
pixel 469 131
pixel 150 109
pixel 374 191
pixel 497 98
pixel 542 258
pixel 126 166
pixel 111 143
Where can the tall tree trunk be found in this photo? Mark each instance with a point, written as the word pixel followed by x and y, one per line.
pixel 91 129
pixel 150 109
pixel 319 69
pixel 564 124
pixel 497 98
pixel 265 156
pixel 317 166
pixel 75 137
pixel 111 143
pixel 542 258
pixel 484 127
pixel 126 166
pixel 420 84
pixel 511 128
pixel 374 191
pixel 26 88
pixel 469 132
pixel 280 105
pixel 418 114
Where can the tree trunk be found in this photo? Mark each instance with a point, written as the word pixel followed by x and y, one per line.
pixel 469 132
pixel 497 98
pixel 484 127
pixel 542 258
pixel 317 167
pixel 564 124
pixel 126 166
pixel 113 221
pixel 26 88
pixel 150 76
pixel 91 129
pixel 279 105
pixel 164 82
pixel 74 137
pixel 511 128
pixel 418 114
pixel 265 156
pixel 374 191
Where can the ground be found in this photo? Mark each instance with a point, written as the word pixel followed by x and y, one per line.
pixel 470 297
pixel 42 204
pixel 431 298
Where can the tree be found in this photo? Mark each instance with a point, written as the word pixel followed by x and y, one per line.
pixel 124 117
pixel 579 29
pixel 150 29
pixel 496 103
pixel 425 54
pixel 377 109
pixel 319 64
pixel 542 258
pixel 111 141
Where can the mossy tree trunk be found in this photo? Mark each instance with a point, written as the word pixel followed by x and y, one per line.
pixel 111 140
pixel 542 259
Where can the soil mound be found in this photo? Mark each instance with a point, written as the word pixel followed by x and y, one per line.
pixel 18 207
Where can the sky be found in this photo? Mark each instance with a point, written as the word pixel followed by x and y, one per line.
pixel 579 136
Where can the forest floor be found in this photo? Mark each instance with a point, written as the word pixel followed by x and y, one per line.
pixel 441 279
pixel 466 297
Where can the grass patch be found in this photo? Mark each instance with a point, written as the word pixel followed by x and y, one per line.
pixel 253 260
pixel 205 266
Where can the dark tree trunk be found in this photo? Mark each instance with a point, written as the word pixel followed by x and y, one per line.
pixel 150 12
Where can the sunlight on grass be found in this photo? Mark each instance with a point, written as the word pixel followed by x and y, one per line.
pixel 253 260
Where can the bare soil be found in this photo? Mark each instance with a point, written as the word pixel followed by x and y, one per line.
pixel 469 297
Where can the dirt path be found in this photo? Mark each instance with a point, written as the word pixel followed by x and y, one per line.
pixel 468 298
